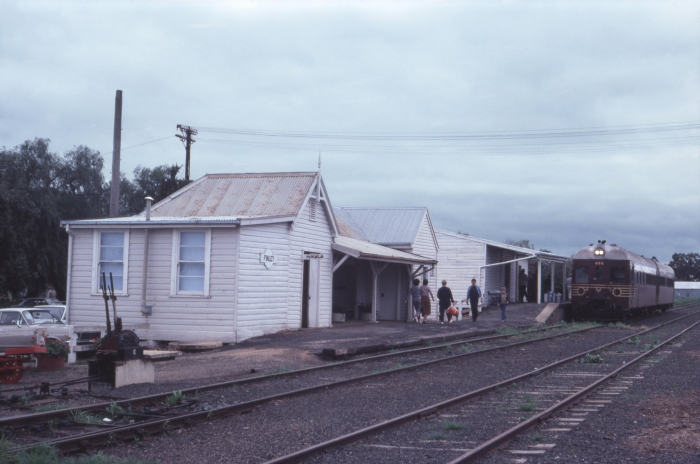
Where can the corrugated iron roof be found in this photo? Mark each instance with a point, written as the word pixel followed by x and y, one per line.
pixel 362 249
pixel 505 246
pixel 386 226
pixel 239 195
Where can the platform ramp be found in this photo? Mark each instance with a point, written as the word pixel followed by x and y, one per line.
pixel 553 313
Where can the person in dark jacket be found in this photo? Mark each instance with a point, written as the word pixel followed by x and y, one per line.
pixel 444 296
pixel 473 297
pixel 522 285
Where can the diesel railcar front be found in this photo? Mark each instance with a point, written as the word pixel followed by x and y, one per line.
pixel 611 283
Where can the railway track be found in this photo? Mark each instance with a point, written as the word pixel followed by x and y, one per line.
pixel 153 421
pixel 457 430
pixel 152 406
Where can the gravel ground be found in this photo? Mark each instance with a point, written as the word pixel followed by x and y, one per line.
pixel 441 438
pixel 284 426
pixel 287 425
pixel 657 420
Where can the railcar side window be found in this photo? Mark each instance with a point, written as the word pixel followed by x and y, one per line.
pixel 598 273
pixel 669 283
pixel 582 275
pixel 651 279
pixel 617 274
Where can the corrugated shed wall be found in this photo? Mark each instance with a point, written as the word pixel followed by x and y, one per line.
pixel 313 236
pixel 458 262
pixel 424 245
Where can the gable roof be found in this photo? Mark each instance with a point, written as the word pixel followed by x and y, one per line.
pixel 232 199
pixel 385 226
pixel 239 195
pixel 505 246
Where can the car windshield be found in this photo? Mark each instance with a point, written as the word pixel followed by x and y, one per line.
pixel 42 317
pixel 58 312
pixel 28 316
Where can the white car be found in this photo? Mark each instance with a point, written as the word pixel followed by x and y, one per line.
pixel 18 327
pixel 58 310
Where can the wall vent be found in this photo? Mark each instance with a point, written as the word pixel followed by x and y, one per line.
pixel 312 209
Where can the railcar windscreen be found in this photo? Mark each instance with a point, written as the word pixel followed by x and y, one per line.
pixel 598 273
pixel 582 275
pixel 617 274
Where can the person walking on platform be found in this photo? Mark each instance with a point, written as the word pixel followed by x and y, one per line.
pixel 415 299
pixel 473 297
pixel 425 296
pixel 522 285
pixel 503 301
pixel 444 296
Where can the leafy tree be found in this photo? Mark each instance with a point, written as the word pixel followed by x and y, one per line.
pixel 686 266
pixel 157 183
pixel 39 188
pixel 525 243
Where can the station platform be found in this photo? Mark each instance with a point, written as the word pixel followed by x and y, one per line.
pixel 350 338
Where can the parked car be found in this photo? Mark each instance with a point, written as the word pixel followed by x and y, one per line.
pixel 18 326
pixel 33 302
pixel 58 310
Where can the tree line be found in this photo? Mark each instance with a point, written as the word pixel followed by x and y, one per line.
pixel 40 188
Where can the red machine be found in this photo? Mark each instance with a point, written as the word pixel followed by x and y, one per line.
pixel 12 360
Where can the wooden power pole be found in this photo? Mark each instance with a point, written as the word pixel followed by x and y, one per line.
pixel 187 140
pixel 116 156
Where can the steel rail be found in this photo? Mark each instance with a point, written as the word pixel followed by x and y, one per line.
pixel 19 421
pixel 503 438
pixel 87 441
pixel 447 404
pixel 80 442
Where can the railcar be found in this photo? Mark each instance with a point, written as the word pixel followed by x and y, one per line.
pixel 611 283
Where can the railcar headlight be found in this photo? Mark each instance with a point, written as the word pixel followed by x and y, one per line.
pixel 599 252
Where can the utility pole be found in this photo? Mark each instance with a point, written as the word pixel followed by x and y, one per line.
pixel 187 140
pixel 116 155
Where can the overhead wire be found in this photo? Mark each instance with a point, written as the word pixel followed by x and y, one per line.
pixel 139 144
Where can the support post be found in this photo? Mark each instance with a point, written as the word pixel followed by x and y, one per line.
pixel 376 270
pixel 187 140
pixel 116 156
pixel 539 280
pixel 551 286
pixel 564 289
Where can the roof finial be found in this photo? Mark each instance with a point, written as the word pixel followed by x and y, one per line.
pixel 319 160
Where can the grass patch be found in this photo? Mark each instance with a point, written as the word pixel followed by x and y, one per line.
pixel 50 407
pixel 464 348
pixel 633 341
pixel 620 325
pixel 592 359
pixel 450 425
pixel 508 330
pixel 281 370
pixel 538 437
pixel 82 417
pixel 437 436
pixel 44 454
pixel 173 399
pixel 528 403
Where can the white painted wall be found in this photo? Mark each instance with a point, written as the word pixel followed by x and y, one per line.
pixel 311 236
pixel 262 294
pixel 459 259
pixel 425 245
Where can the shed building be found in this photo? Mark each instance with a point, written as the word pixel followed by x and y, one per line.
pixel 494 265
pixel 381 250
pixel 686 289
pixel 228 257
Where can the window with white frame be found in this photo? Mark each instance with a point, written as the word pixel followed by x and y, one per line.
pixel 111 251
pixel 191 262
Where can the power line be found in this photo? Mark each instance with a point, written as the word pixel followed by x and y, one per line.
pixel 455 136
pixel 138 145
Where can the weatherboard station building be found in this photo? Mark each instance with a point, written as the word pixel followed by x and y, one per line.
pixel 234 256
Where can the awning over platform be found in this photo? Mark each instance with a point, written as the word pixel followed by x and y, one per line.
pixel 361 249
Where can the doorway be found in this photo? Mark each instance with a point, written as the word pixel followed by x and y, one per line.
pixel 310 292
pixel 387 297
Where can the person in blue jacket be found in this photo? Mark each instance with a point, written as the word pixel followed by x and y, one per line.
pixel 473 297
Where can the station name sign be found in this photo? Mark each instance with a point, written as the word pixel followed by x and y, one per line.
pixel 313 256
pixel 267 258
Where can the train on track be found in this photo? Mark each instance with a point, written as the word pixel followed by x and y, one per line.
pixel 611 283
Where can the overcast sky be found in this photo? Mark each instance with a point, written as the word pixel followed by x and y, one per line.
pixel 467 108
